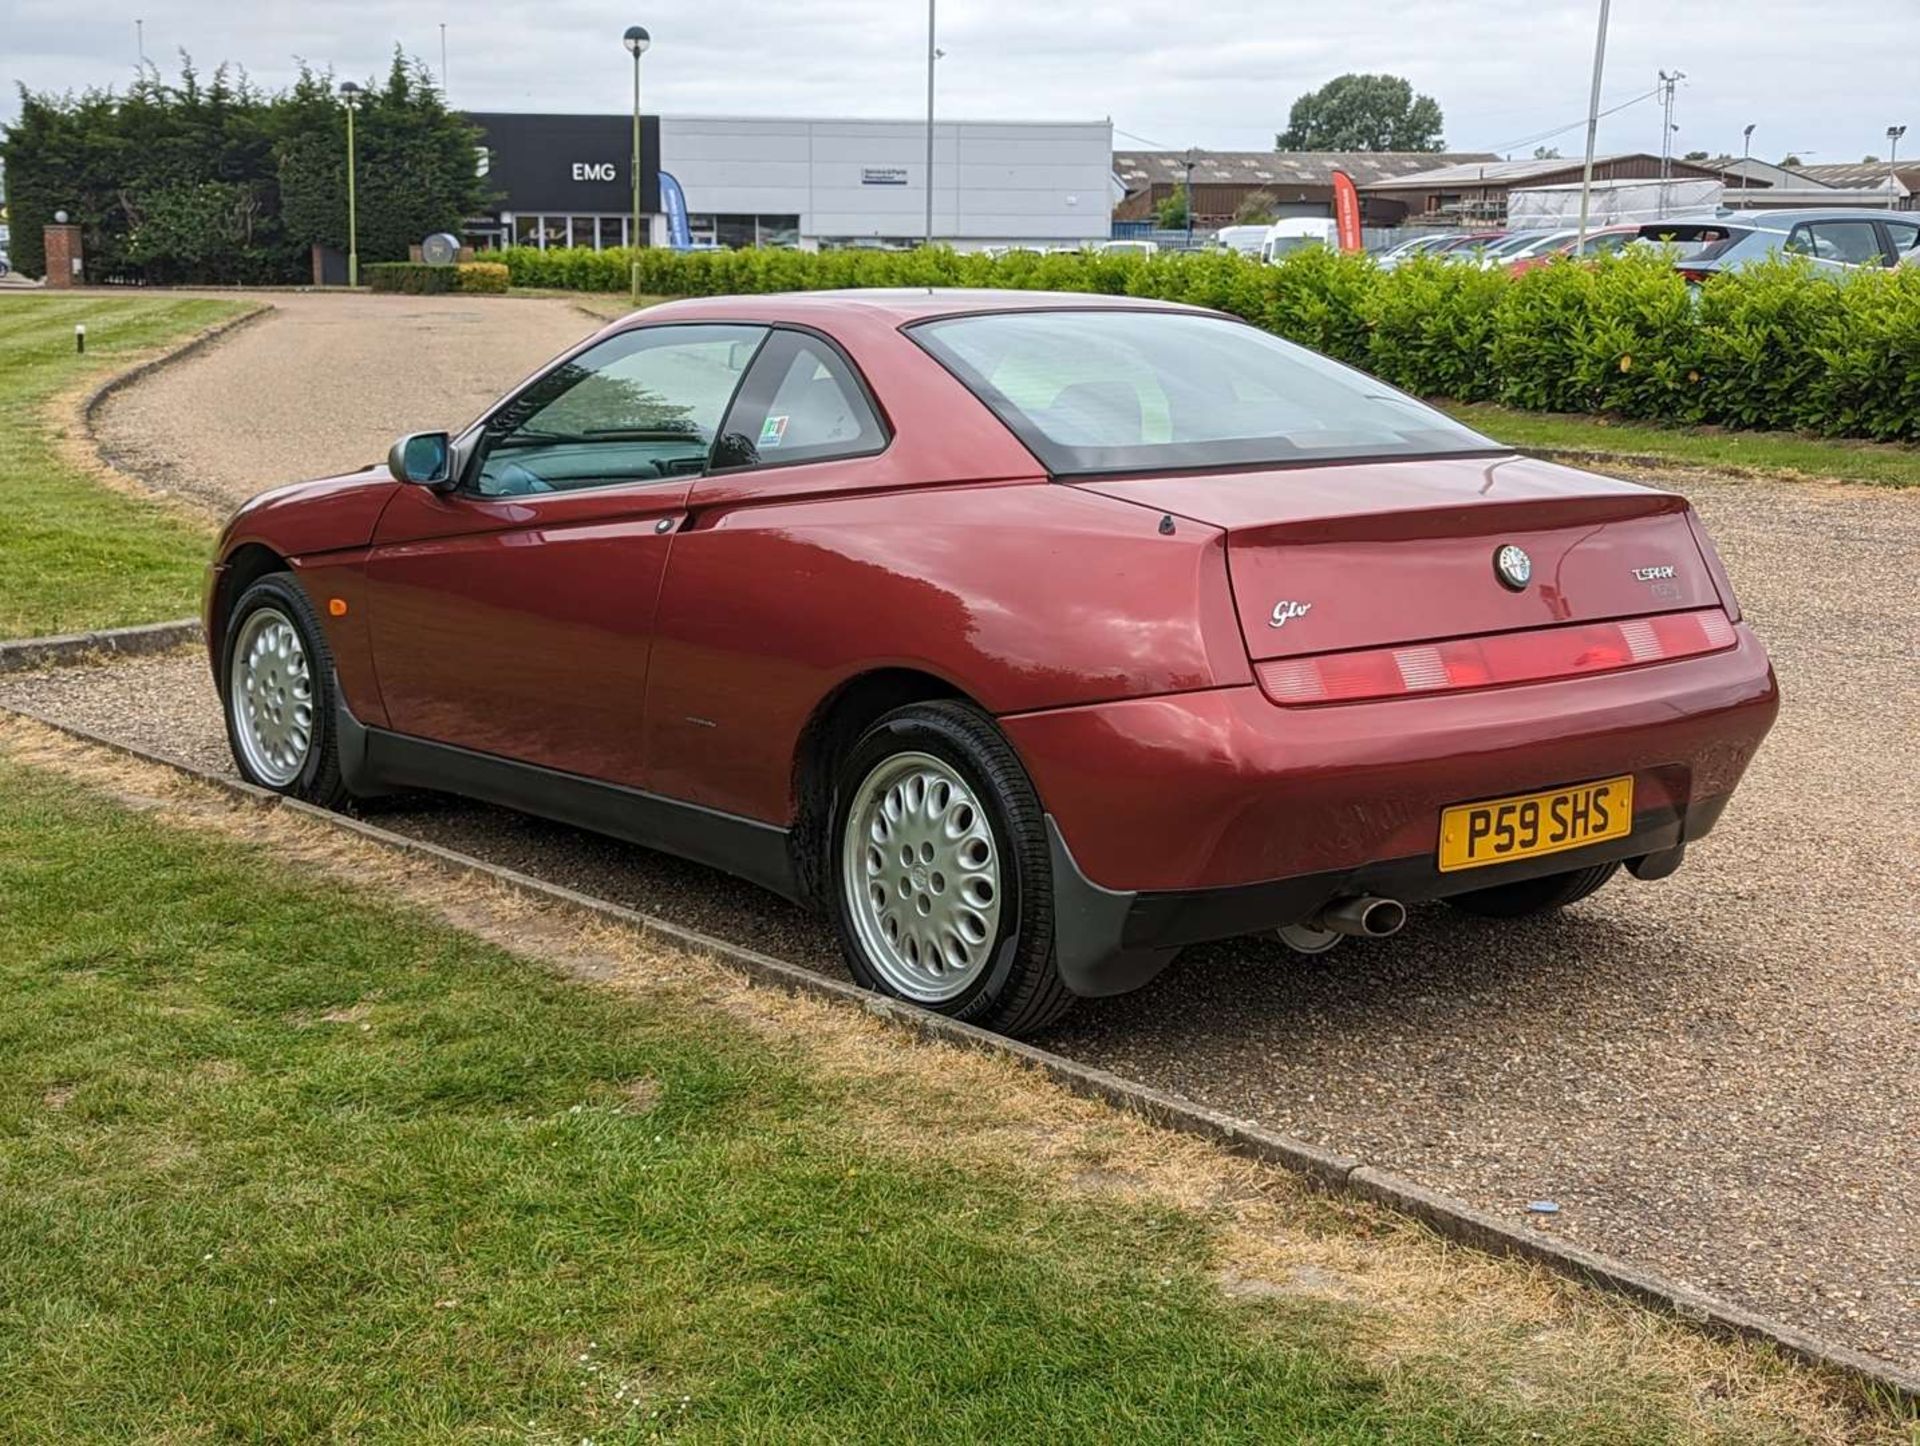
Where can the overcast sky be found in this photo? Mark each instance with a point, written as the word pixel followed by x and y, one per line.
pixel 1824 80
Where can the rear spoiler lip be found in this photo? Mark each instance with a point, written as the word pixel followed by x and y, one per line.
pixel 1489 519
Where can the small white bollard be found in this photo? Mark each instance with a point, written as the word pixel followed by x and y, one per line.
pixel 80 336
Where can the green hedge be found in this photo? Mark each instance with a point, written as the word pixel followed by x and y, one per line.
pixel 419 279
pixel 1773 346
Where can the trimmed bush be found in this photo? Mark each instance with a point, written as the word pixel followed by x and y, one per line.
pixel 1772 346
pixel 417 278
pixel 489 277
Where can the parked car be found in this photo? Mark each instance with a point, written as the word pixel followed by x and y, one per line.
pixel 1837 242
pixel 1416 246
pixel 1607 241
pixel 6 265
pixel 1029 636
pixel 1128 247
pixel 1515 243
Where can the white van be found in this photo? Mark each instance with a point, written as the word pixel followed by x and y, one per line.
pixel 1247 240
pixel 1295 232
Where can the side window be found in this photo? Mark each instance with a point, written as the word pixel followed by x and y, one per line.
pixel 642 405
pixel 801 403
pixel 1855 243
pixel 1905 236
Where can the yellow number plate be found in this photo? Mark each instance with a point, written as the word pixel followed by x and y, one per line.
pixel 1500 830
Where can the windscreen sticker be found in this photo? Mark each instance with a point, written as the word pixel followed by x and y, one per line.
pixel 773 431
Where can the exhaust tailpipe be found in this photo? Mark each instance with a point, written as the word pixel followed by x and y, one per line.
pixel 1364 917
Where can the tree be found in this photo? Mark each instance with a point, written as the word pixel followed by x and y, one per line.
pixel 1363 113
pixel 1256 210
pixel 1546 153
pixel 1869 160
pixel 211 179
pixel 1695 156
pixel 1171 214
pixel 1790 160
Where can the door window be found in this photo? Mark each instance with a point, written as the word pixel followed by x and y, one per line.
pixel 1905 236
pixel 1853 243
pixel 803 403
pixel 641 405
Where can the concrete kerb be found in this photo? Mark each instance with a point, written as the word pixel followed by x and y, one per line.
pixel 1450 1218
pixel 29 653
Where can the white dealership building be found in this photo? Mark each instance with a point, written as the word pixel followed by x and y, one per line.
pixel 567 180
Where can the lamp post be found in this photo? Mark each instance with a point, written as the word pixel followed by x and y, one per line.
pixel 1593 128
pixel 933 55
pixel 350 93
pixel 1893 155
pixel 1746 154
pixel 1192 158
pixel 637 41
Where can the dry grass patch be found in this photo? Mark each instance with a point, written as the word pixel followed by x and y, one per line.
pixel 1416 1308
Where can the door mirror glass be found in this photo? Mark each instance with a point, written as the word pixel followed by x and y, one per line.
pixel 423 458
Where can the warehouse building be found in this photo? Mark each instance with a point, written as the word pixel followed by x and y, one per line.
pixel 1475 193
pixel 567 180
pixel 1285 183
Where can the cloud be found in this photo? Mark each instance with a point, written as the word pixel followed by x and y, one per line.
pixel 1824 81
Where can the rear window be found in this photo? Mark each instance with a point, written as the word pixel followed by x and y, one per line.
pixel 1704 242
pixel 1140 391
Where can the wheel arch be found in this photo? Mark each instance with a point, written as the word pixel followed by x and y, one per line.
pixel 239 570
pixel 835 725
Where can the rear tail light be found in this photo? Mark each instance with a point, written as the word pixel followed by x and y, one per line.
pixel 1693 276
pixel 1526 657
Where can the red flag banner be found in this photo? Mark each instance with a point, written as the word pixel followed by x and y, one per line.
pixel 1346 211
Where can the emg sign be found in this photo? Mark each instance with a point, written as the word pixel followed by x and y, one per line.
pixel 595 171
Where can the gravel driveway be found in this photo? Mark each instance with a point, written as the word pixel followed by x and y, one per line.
pixel 324 384
pixel 1716 1076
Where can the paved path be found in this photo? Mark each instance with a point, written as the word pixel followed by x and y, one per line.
pixel 324 384
pixel 1716 1076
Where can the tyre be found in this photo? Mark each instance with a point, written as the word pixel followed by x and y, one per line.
pixel 1534 896
pixel 278 682
pixel 943 888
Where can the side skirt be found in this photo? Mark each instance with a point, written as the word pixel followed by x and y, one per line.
pixel 374 761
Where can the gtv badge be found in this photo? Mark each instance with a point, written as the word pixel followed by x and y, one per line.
pixel 1513 567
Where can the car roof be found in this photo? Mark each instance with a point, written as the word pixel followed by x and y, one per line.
pixel 898 304
pixel 1784 219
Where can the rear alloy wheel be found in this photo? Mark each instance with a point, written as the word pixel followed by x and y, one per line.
pixel 1534 896
pixel 943 887
pixel 279 694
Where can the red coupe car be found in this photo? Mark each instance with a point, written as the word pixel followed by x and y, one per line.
pixel 1030 636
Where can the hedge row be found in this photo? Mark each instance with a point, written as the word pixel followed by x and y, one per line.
pixel 1773 346
pixel 420 279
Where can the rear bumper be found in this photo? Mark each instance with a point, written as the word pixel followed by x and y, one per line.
pixel 1204 815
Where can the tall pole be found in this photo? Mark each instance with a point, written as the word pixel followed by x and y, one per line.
pixel 932 55
pixel 1593 126
pixel 444 89
pixel 1190 158
pixel 1746 157
pixel 140 41
pixel 353 218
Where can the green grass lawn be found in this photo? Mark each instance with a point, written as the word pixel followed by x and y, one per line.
pixel 281 1162
pixel 75 554
pixel 1783 454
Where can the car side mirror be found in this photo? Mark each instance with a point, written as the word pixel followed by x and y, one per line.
pixel 422 458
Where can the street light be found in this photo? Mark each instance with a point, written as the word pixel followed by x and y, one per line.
pixel 1746 155
pixel 1192 157
pixel 637 41
pixel 1893 154
pixel 1593 128
pixel 350 93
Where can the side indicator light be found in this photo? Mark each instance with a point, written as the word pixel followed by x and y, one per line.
pixel 1524 657
pixel 337 607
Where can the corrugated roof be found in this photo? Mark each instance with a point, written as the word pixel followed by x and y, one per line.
pixel 1864 175
pixel 1139 169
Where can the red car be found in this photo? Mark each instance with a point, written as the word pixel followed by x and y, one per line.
pixel 1031 636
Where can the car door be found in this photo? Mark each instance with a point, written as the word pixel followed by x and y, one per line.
pixel 512 614
pixel 741 609
pixel 1839 242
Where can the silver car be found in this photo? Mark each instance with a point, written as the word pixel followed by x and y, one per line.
pixel 1836 241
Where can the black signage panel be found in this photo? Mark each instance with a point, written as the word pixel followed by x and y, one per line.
pixel 569 164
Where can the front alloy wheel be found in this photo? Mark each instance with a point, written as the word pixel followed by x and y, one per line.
pixel 278 679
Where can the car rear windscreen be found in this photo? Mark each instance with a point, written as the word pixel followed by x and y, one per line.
pixel 1145 391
